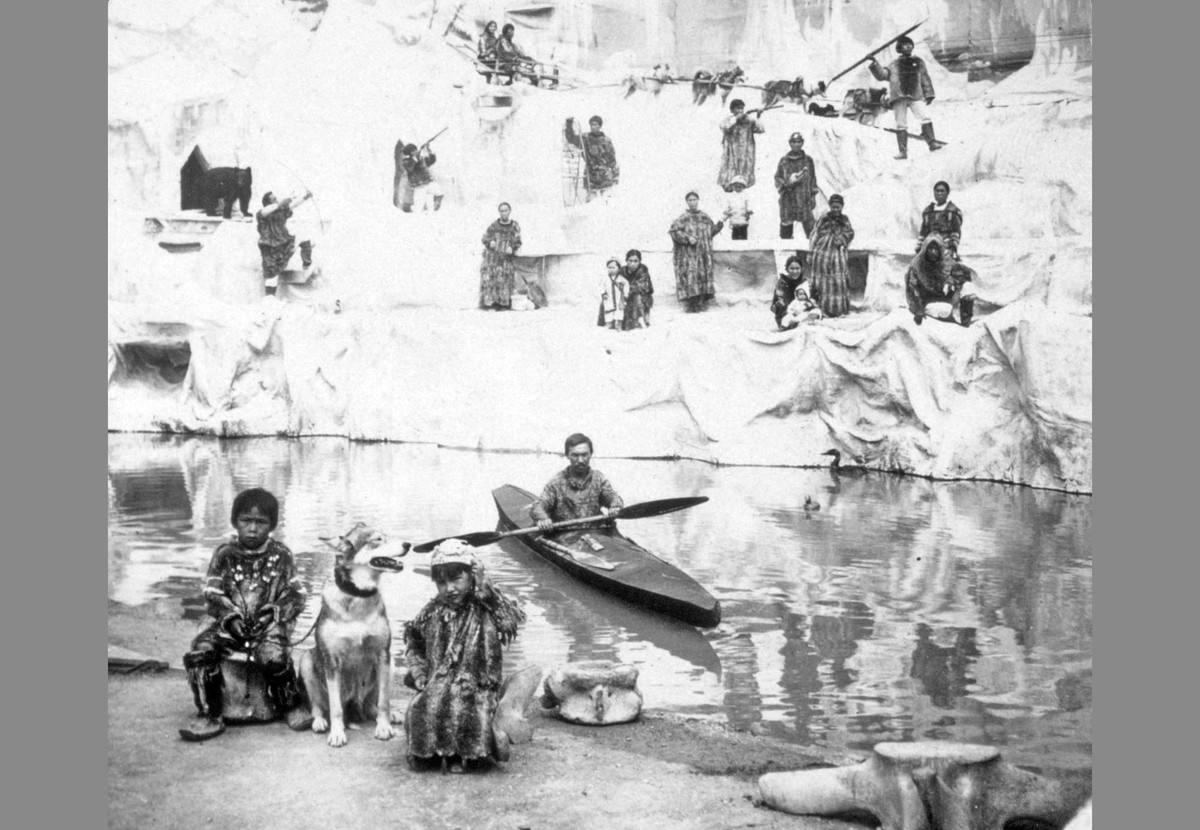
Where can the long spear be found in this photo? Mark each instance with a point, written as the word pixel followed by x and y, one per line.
pixel 868 56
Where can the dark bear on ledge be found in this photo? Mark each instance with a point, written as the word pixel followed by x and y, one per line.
pixel 227 184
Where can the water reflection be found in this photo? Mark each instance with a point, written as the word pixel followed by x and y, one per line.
pixel 902 608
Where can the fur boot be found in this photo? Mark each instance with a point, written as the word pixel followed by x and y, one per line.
pixel 208 692
pixel 966 310
pixel 927 134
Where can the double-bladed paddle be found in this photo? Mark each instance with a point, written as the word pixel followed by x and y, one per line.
pixel 641 510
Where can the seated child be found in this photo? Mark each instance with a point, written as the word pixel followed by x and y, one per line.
pixel 793 303
pixel 253 595
pixel 640 297
pixel 737 210
pixel 454 662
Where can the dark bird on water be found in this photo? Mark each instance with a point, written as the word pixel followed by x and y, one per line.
pixel 810 505
pixel 835 466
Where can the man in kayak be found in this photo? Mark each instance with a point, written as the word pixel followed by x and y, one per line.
pixel 577 491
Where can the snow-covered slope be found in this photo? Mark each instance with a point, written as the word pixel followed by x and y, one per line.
pixel 385 343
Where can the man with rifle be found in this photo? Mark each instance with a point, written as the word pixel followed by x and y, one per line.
pixel 739 129
pixel 909 87
pixel 416 161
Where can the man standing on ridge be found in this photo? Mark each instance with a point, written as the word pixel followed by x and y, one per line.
pixel 577 491
pixel 909 87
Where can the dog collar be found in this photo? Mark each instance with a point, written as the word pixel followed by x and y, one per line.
pixel 346 585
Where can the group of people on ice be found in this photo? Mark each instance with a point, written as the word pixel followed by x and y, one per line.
pixel 815 284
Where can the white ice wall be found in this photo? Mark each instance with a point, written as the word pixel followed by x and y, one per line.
pixel 407 357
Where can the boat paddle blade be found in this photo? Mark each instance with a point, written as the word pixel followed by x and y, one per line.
pixel 475 540
pixel 646 509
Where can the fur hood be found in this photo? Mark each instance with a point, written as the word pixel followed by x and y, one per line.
pixel 931 276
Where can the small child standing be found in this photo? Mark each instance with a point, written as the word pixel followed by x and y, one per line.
pixel 453 651
pixel 253 595
pixel 614 289
pixel 737 211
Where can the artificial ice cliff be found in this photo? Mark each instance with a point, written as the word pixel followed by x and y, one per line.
pixel 385 342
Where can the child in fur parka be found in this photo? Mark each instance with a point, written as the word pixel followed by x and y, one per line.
pixel 453 651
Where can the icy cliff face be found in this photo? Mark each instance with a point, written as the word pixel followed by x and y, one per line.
pixel 385 344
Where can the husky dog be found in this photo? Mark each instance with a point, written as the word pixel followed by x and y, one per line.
pixel 705 84
pixel 793 91
pixel 349 669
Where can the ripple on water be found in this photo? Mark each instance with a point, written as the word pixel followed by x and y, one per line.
pixel 902 609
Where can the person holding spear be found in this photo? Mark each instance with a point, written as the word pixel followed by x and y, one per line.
pixel 909 87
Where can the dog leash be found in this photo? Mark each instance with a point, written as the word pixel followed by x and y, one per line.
pixel 305 637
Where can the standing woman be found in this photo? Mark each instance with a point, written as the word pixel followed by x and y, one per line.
pixel 640 298
pixel 692 235
pixel 486 49
pixel 828 248
pixel 501 241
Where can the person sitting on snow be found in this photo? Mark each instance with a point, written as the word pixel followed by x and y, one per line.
pixel 510 58
pixel 792 303
pixel 936 284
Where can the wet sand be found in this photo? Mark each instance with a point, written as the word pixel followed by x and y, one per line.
pixel 659 772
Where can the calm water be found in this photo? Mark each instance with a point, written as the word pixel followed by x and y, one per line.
pixel 902 609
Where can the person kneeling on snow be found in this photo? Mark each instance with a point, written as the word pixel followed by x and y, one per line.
pixel 936 284
pixel 275 242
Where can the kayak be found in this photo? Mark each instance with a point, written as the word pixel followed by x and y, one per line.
pixel 601 556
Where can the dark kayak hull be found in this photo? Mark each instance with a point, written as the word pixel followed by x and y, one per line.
pixel 621 567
